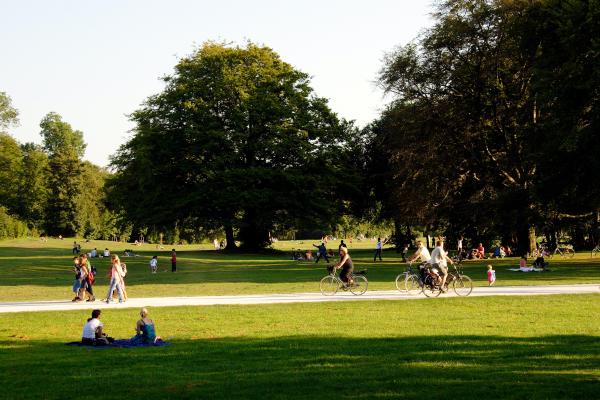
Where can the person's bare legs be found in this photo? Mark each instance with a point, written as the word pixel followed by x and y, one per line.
pixel 444 277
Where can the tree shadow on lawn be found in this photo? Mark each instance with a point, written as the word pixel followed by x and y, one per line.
pixel 311 367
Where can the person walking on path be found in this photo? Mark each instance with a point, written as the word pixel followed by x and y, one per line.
pixel 89 279
pixel 378 247
pixel 115 279
pixel 321 252
pixel 173 261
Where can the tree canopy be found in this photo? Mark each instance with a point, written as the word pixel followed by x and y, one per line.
pixel 484 133
pixel 237 140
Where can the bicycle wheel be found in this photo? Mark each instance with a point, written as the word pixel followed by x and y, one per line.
pixel 569 253
pixel 360 285
pixel 412 285
pixel 431 290
pixel 400 282
pixel 463 285
pixel 329 285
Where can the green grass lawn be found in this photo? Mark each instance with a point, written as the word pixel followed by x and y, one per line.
pixel 545 347
pixel 32 270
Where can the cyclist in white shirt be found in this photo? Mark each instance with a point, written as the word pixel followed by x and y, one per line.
pixel 439 259
pixel 421 252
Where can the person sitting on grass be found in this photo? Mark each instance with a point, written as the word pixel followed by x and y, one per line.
pixel 92 331
pixel 346 265
pixel 145 330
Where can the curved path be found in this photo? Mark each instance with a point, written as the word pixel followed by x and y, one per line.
pixel 289 298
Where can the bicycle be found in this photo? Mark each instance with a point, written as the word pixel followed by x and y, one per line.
pixel 596 250
pixel 564 251
pixel 331 283
pixel 461 284
pixel 409 281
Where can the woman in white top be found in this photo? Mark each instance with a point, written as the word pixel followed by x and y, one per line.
pixel 116 279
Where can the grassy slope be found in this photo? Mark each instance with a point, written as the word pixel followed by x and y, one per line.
pixel 32 270
pixel 474 348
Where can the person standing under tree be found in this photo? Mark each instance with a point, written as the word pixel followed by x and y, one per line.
pixel 378 247
pixel 173 261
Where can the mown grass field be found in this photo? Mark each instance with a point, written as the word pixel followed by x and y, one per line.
pixel 545 347
pixel 34 270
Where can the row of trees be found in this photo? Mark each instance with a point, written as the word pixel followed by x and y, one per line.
pixel 50 188
pixel 492 134
pixel 493 131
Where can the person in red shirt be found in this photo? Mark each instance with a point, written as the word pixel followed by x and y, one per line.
pixel 173 261
pixel 481 251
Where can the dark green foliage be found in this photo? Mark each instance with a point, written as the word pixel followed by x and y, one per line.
pixel 493 128
pixel 236 140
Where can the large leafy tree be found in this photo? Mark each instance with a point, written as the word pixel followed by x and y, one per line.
pixel 10 155
pixel 10 167
pixel 476 94
pixel 237 140
pixel 33 189
pixel 65 148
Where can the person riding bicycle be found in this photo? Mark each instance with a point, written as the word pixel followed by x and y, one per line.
pixel 346 265
pixel 439 259
pixel 425 257
pixel 422 253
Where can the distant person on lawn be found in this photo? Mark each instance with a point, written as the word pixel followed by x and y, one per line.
pixel 154 264
pixel 173 261
pixel 321 252
pixel 378 247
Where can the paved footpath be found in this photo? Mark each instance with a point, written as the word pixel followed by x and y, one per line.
pixel 290 298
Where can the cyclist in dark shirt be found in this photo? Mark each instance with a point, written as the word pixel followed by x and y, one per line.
pixel 346 265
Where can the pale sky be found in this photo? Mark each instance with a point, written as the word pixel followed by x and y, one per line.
pixel 94 62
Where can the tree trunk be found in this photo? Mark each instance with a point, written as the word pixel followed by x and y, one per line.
pixel 229 238
pixel 532 239
pixel 526 240
pixel 252 234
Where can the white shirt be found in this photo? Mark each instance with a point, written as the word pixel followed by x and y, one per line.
pixel 460 243
pixel 378 245
pixel 153 262
pixel 89 329
pixel 424 254
pixel 438 256
pixel 106 253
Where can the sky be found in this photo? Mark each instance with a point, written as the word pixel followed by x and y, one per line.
pixel 94 62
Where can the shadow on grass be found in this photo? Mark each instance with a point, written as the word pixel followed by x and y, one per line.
pixel 307 367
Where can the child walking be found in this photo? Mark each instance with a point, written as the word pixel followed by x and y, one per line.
pixel 154 264
pixel 491 275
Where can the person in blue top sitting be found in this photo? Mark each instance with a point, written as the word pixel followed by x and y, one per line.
pixel 145 330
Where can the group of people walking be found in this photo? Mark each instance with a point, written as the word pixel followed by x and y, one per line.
pixel 85 277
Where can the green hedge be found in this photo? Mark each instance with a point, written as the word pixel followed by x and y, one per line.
pixel 11 227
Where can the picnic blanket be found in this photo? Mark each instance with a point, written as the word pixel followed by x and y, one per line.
pixel 520 270
pixel 121 343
